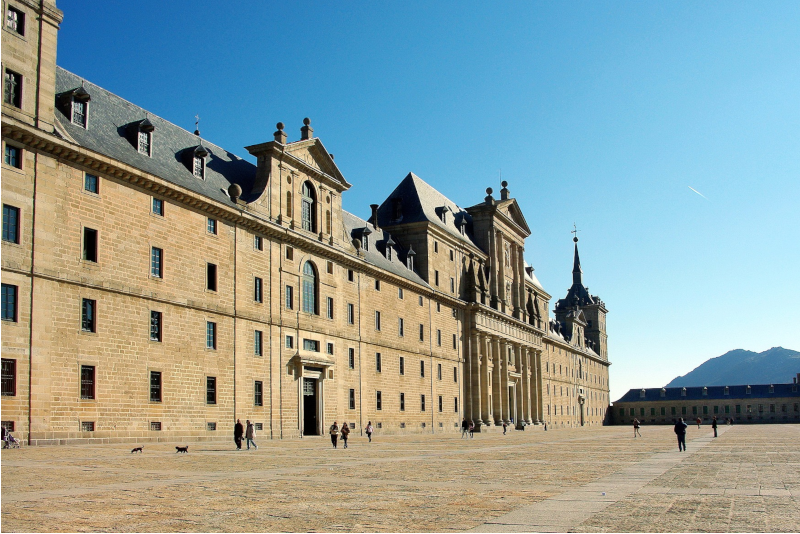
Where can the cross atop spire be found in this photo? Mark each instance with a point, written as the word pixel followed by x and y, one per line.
pixel 197 124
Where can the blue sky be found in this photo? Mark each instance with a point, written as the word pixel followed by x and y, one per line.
pixel 599 114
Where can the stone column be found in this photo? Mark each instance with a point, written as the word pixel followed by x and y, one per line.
pixel 475 379
pixel 520 390
pixel 501 271
pixel 493 260
pixel 504 407
pixel 526 383
pixel 497 387
pixel 539 385
pixel 486 409
pixel 523 314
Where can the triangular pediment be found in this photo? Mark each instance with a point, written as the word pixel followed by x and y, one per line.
pixel 313 153
pixel 511 209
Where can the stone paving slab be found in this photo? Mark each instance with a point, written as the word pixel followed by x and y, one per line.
pixel 541 481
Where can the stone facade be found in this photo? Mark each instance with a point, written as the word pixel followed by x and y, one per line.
pixel 156 287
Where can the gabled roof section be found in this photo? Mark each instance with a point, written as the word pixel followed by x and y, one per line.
pixel 422 203
pixel 320 158
pixel 511 209
pixel 109 117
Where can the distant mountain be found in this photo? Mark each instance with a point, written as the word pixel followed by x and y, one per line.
pixel 741 367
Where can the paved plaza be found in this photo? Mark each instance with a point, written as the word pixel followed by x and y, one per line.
pixel 588 480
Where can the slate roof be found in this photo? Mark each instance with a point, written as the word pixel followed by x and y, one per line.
pixel 578 294
pixel 421 202
pixel 757 391
pixel 109 117
pixel 376 253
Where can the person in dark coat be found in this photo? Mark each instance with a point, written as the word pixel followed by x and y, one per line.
pixel 680 430
pixel 334 432
pixel 464 428
pixel 345 432
pixel 714 425
pixel 238 432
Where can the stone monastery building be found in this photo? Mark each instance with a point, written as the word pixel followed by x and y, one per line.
pixel 156 286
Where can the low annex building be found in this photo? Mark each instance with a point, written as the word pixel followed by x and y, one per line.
pixel 757 403
pixel 157 286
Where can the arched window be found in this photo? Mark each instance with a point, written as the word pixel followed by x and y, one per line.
pixel 289 204
pixel 309 208
pixel 309 288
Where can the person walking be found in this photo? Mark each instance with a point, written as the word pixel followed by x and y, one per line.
pixel 345 433
pixel 368 430
pixel 714 425
pixel 698 421
pixel 250 435
pixel 464 428
pixel 471 428
pixel 636 428
pixel 238 431
pixel 680 430
pixel 334 432
pixel 505 426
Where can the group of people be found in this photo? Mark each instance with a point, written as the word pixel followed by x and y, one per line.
pixel 680 430
pixel 467 427
pixel 248 432
pixel 344 432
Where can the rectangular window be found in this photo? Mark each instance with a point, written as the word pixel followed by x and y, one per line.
pixel 400 293
pixel 289 298
pixel 351 358
pixel 378 362
pixel 311 345
pixel 144 142
pixel 441 404
pixel 155 386
pixel 438 337
pixel 663 410
pixel 329 300
pixel 211 335
pixel 402 365
pixel 211 390
pixel 329 348
pixel 727 408
pixel 10 224
pixel 155 425
pixel 211 226
pixel 705 410
pixel 258 289
pixel 9 303
pixel 87 381
pixel 351 314
pixel 90 245
pixel 158 207
pixel 420 300
pixel 211 277
pixel 422 403
pixel 455 374
pixel 89 315
pixel 330 266
pixel 289 253
pixel 9 377
pixel 258 343
pixel 377 285
pixel 155 325
pixel 400 328
pixel 13 156
pixel 352 399
pixel 378 321
pixel 439 371
pixel 156 262
pixel 258 242
pixel 378 403
pixel 422 368
pixel 455 341
pixel 455 403
pixel 350 275
pixel 258 393
pixel 402 402
pixel 15 21
pixel 436 277
pixel 673 410
pixel 422 332
pixel 211 426
pixel 91 183
pixel 289 342
pixel 87 426
pixel 683 410
pixel 716 409
pixel 452 285
pixel 198 169
pixel 13 89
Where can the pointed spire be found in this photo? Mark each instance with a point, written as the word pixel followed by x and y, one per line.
pixel 576 267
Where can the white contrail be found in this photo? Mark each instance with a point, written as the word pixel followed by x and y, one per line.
pixel 698 192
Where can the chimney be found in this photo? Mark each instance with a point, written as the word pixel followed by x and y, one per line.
pixel 280 135
pixel 504 191
pixel 374 215
pixel 306 132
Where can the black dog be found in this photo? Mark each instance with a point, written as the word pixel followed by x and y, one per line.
pixel 182 449
pixel 138 449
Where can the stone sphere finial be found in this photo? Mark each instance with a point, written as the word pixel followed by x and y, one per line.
pixel 575 239
pixel 504 183
pixel 235 191
pixel 488 190
pixel 306 121
pixel 279 126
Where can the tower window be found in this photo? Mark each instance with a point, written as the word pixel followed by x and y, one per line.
pixel 15 21
pixel 309 207
pixel 10 224
pixel 13 89
pixel 13 156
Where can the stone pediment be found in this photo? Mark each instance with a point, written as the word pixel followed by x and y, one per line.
pixel 314 155
pixel 512 211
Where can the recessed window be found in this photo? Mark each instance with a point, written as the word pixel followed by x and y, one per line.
pixel 144 139
pixel 9 377
pixel 10 224
pixel 211 226
pixel 330 267
pixel 436 277
pixel 402 365
pixel 377 285
pixel 258 393
pixel 455 374
pixel 89 315
pixel 13 156
pixel 422 368
pixel 350 275
pixel 455 402
pixel 15 21
pixel 156 262
pixel 378 362
pixel 155 426
pixel 329 307
pixel 211 426
pixel 87 426
pixel 87 382
pixel 10 303
pixel 452 255
pixel 289 342
pixel 438 338
pixel 309 286
pixel 211 277
pixel 438 307
pixel 80 113
pixel 258 289
pixel 290 253
pixel 455 341
pixel 309 208
pixel 158 207
pixel 258 343
pixel 436 247
pixel 91 183
pixel 199 167
pixel 155 388
pixel 311 345
pixel 402 404
pixel 452 285
pixel 439 371
pixel 155 325
pixel 90 245
pixel 352 399
pixel 329 348
pixel 400 328
pixel 441 404
pixel 351 314
pixel 258 242
pixel 422 403
pixel 289 294
pixel 211 391
pixel 400 293
pixel 351 358
pixel 211 335
pixel 13 89
pixel 378 321
pixel 378 403
pixel 422 332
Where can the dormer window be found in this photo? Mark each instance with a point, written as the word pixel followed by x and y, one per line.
pixel 389 244
pixel 727 390
pixel 663 393
pixel 748 391
pixel 195 161
pixel 705 391
pixel 642 394
pixel 144 143
pixel 142 136
pixel 410 262
pixel 199 167
pixel 365 238
pixel 683 392
pixel 771 388
pixel 75 104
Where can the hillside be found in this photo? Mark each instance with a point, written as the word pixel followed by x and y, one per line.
pixel 740 367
